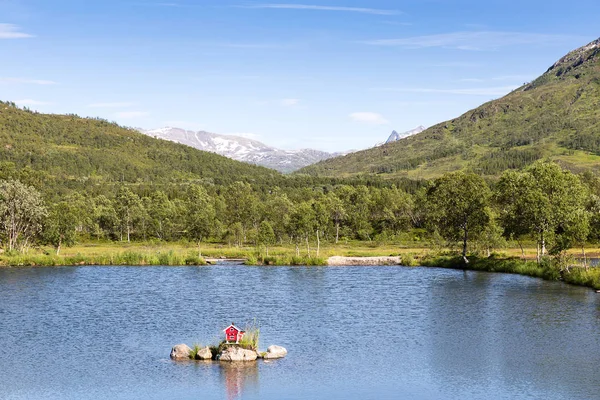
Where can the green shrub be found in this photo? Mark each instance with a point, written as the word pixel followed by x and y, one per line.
pixel 409 260
pixel 251 260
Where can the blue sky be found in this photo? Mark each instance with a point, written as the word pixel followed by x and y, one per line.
pixel 332 75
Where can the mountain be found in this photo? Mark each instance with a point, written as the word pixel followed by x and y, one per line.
pixel 242 149
pixel 68 150
pixel 395 136
pixel 556 116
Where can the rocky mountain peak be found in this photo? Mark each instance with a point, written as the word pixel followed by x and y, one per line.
pixel 576 58
pixel 395 136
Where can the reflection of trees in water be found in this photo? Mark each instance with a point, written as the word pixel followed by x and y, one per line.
pixel 461 327
pixel 504 332
pixel 237 376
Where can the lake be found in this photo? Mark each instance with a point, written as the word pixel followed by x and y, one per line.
pixel 351 333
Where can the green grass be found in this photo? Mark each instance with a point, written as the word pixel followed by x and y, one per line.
pixel 251 338
pixel 286 260
pixel 176 254
pixel 195 349
pixel 546 270
pixel 127 257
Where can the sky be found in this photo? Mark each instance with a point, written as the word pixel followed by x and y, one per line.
pixel 331 75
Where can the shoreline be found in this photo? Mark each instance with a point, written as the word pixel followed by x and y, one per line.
pixel 577 276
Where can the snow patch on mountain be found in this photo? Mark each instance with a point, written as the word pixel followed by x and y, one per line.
pixel 395 136
pixel 242 149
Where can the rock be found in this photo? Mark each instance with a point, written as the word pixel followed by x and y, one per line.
pixel 204 354
pixel 236 353
pixel 180 352
pixel 274 352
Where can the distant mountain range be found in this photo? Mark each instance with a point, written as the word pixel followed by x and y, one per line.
pixel 252 151
pixel 243 149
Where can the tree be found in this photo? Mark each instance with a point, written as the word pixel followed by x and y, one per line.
pixel 61 226
pixel 542 201
pixel 575 231
pixel 242 206
pixel 321 219
pixel 458 207
pixel 21 213
pixel 278 210
pixel 201 218
pixel 302 223
pixel 104 217
pixel 161 214
pixel 359 214
pixel 393 210
pixel 511 196
pixel 491 237
pixel 127 205
pixel 266 236
pixel 337 212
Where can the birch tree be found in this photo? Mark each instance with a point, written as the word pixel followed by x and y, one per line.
pixel 458 207
pixel 22 212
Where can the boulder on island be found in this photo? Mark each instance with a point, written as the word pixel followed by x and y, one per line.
pixel 180 352
pixel 236 353
pixel 274 352
pixel 204 354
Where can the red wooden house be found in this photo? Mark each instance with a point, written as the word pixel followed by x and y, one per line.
pixel 233 334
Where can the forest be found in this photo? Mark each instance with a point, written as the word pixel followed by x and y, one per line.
pixel 543 204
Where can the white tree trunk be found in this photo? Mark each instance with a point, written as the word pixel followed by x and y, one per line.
pixel 318 243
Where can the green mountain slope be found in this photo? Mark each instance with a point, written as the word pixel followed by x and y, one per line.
pixel 67 148
pixel 557 116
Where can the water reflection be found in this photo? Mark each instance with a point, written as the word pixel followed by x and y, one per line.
pixel 488 332
pixel 238 377
pixel 351 332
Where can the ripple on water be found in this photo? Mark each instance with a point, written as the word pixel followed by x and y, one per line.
pixel 351 332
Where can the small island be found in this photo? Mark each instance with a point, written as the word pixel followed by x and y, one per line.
pixel 238 345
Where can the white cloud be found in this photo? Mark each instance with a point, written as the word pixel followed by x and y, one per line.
pixel 131 114
pixel 486 91
pixel 10 31
pixel 290 102
pixel 374 11
pixel 111 105
pixel 475 41
pixel 26 81
pixel 31 102
pixel 369 118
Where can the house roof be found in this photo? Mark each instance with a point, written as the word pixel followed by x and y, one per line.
pixel 234 327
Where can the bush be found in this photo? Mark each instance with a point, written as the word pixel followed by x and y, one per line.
pixel 409 260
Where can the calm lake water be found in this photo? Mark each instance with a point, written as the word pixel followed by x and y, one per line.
pixel 351 333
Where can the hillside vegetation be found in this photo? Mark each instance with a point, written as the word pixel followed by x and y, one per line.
pixel 67 149
pixel 557 116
